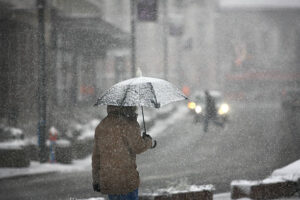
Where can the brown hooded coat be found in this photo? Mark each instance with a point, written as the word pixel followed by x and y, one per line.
pixel 117 141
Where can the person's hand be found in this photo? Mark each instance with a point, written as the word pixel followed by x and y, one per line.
pixel 96 187
pixel 153 144
pixel 145 135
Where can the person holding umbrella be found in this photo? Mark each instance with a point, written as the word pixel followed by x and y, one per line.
pixel 117 137
pixel 117 142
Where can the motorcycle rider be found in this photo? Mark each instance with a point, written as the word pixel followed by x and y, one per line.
pixel 210 110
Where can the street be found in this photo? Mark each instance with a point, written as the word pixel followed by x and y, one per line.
pixel 251 146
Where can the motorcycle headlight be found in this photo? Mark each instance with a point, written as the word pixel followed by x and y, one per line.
pixel 224 108
pixel 198 109
pixel 192 105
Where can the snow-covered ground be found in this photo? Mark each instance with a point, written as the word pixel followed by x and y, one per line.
pixel 291 170
pixel 38 168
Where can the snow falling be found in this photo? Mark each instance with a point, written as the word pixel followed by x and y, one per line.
pixel 219 82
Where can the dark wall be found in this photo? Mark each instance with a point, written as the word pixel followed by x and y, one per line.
pixel 18 77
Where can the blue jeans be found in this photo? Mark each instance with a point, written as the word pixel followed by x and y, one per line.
pixel 130 196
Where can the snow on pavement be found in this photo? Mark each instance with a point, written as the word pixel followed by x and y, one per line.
pixel 38 168
pixel 291 170
pixel 227 196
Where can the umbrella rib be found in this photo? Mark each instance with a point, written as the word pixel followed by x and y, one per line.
pixel 126 91
pixel 125 96
pixel 152 90
pixel 99 99
pixel 144 99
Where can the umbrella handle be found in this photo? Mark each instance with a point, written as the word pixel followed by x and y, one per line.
pixel 144 120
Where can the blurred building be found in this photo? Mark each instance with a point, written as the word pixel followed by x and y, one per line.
pixel 18 62
pixel 79 42
pixel 239 47
pixel 197 44
pixel 258 48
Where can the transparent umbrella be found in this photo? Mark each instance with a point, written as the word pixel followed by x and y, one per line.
pixel 141 91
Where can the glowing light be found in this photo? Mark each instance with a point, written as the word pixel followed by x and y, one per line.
pixel 192 105
pixel 198 109
pixel 224 108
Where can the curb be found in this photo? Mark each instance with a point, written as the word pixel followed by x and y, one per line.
pixel 26 175
pixel 203 195
pixel 264 190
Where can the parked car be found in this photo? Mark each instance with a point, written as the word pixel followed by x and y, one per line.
pixel 197 107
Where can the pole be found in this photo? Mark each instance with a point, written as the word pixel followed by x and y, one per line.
pixel 165 38
pixel 133 37
pixel 42 81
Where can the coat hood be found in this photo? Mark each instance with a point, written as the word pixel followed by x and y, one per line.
pixel 127 111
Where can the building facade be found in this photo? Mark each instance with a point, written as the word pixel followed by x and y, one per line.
pixel 78 42
pixel 258 48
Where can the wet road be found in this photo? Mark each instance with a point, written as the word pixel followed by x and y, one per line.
pixel 254 143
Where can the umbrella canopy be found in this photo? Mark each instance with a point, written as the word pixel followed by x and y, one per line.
pixel 141 91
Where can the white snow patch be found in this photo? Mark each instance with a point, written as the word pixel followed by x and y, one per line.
pixel 259 4
pixel 187 188
pixel 14 144
pixel 15 131
pixel 269 180
pixel 223 196
pixel 38 168
pixel 181 187
pixel 60 142
pixel 291 170
pixel 227 196
pixel 53 130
